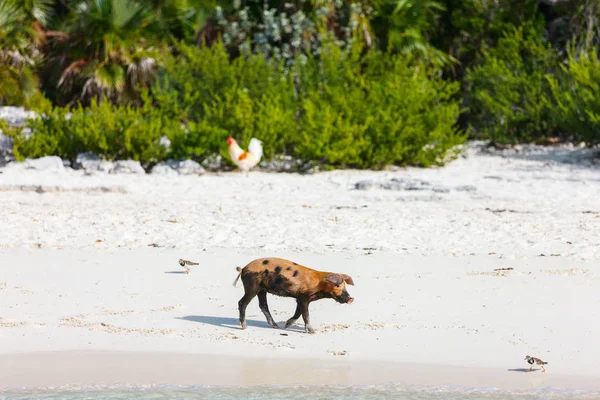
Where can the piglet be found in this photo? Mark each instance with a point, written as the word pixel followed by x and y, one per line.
pixel 288 279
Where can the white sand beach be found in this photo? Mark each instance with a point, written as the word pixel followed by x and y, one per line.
pixel 89 275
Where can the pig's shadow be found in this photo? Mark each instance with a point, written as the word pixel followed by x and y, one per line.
pixel 234 323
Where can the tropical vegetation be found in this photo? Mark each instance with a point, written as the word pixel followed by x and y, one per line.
pixel 351 83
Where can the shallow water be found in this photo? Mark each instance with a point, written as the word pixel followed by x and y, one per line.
pixel 375 392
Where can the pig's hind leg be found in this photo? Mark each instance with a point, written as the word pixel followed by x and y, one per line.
pixel 264 307
pixel 242 304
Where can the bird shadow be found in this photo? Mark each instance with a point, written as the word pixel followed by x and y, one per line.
pixel 523 370
pixel 175 272
pixel 232 323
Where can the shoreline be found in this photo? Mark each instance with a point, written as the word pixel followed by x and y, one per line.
pixel 77 370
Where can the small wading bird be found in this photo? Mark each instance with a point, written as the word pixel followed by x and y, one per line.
pixel 535 360
pixel 184 264
pixel 245 160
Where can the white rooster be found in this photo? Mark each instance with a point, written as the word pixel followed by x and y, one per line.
pixel 245 160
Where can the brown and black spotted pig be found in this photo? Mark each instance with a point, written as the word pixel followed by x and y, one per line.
pixel 288 279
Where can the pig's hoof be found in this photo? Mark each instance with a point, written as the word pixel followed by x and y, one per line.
pixel 274 326
pixel 311 331
pixel 244 326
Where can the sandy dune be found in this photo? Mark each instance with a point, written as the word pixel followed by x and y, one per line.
pixel 512 205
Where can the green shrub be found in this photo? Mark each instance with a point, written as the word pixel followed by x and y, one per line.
pixel 577 93
pixel 10 88
pixel 112 132
pixel 50 137
pixel 508 95
pixel 341 109
pixel 350 109
pixel 374 111
pixel 248 97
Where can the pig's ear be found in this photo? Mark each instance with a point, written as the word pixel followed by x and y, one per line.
pixel 347 279
pixel 336 279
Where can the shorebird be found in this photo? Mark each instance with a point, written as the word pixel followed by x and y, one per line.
pixel 183 263
pixel 535 360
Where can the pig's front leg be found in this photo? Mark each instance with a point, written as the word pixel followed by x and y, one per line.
pixel 306 316
pixel 297 315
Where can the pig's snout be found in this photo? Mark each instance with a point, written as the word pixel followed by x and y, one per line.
pixel 345 298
